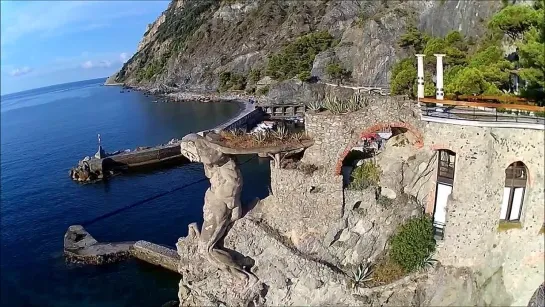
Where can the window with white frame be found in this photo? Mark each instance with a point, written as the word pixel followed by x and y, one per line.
pixel 513 193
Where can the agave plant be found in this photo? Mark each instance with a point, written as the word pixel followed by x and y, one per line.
pixel 314 105
pixel 335 105
pixel 299 136
pixel 281 132
pixel 260 136
pixel 353 104
pixel 428 262
pixel 235 132
pixel 363 274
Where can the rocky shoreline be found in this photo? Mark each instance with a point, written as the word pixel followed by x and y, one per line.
pixel 178 95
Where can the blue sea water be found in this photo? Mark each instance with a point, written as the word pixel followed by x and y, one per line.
pixel 44 132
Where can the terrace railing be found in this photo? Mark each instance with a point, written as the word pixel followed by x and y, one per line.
pixel 503 115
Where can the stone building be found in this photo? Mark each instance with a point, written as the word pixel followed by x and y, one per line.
pixel 483 183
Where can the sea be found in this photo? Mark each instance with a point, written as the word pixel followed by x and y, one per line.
pixel 44 132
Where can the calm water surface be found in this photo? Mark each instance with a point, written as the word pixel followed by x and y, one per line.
pixel 44 133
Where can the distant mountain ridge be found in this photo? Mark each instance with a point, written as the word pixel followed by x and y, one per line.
pixel 193 42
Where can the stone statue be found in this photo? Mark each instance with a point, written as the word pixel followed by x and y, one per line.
pixel 221 203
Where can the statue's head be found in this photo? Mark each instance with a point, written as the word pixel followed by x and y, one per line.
pixel 197 149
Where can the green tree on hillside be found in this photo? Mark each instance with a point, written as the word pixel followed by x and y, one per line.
pixel 414 38
pixel 532 56
pixel 403 77
pixel 337 72
pixel 468 81
pixel 296 58
pixel 514 20
pixel 493 65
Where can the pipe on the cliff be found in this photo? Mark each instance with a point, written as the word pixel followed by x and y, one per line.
pixel 420 79
pixel 439 94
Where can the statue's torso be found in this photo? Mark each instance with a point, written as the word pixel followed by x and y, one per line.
pixel 225 180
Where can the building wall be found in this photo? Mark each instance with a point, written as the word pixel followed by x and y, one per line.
pixel 472 237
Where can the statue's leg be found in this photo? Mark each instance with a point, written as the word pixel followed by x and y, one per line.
pixel 213 230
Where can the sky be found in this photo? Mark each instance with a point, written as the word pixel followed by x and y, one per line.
pixel 51 42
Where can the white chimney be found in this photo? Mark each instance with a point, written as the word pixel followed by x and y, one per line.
pixel 420 75
pixel 439 94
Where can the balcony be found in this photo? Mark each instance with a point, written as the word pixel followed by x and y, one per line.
pixel 483 114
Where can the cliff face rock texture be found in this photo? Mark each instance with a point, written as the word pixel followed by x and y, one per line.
pixel 307 238
pixel 193 41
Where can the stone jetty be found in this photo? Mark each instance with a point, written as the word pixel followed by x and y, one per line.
pixel 103 165
pixel 81 248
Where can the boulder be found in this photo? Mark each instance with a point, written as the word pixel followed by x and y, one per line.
pixel 388 193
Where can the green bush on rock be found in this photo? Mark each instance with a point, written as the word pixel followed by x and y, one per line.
pixel 412 245
pixel 297 57
pixel 364 176
pixel 337 72
pixel 231 81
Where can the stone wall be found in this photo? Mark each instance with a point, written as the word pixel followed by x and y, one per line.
pixel 335 135
pixel 307 204
pixel 472 237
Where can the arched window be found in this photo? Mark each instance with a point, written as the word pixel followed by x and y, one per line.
pixel 513 193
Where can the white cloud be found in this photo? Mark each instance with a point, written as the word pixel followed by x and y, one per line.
pixel 20 71
pixel 87 65
pixel 124 57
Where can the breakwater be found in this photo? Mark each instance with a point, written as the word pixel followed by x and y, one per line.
pixel 102 165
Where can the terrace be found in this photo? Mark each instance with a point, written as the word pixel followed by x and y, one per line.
pixel 483 114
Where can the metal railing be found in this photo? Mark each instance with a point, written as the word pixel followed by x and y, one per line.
pixel 482 114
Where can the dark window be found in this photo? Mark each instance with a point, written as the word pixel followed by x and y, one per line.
pixel 446 166
pixel 516 176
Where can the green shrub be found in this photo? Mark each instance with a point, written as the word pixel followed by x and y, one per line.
pixel 414 38
pixel 263 91
pixel 254 76
pixel 304 76
pixel 413 243
pixel 403 77
pixel 337 72
pixel 364 176
pixel 296 58
pixel 231 81
pixel 387 271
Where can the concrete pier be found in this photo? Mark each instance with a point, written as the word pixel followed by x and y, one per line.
pixel 94 168
pixel 80 247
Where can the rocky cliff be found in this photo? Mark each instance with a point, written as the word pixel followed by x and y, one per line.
pixel 194 41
